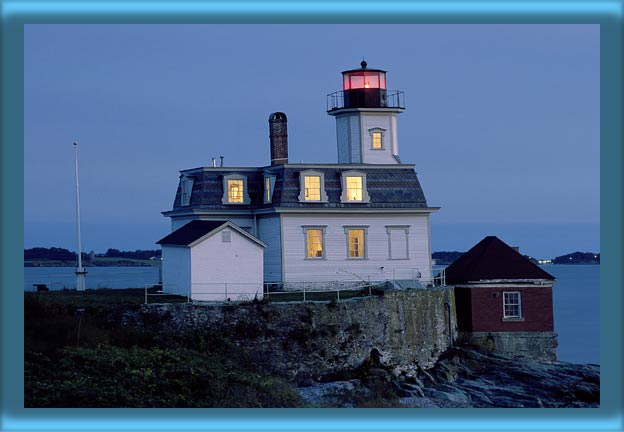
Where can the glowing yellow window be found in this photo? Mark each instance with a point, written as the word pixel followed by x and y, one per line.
pixel 315 243
pixel 356 243
pixel 377 140
pixel 267 189
pixel 235 191
pixel 312 188
pixel 354 188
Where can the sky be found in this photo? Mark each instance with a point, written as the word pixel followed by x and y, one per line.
pixel 502 122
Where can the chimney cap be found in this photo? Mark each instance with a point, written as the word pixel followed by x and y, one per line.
pixel 277 116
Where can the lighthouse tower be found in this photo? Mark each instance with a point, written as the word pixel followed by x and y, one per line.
pixel 366 117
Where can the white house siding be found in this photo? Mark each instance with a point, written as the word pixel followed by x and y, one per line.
pixel 336 267
pixel 176 269
pixel 386 121
pixel 246 223
pixel 355 138
pixel 270 233
pixel 222 270
pixel 342 135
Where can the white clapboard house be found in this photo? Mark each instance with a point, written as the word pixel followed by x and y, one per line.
pixel 364 218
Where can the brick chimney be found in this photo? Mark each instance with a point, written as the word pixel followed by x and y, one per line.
pixel 278 135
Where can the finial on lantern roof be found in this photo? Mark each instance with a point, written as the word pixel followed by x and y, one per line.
pixel 363 64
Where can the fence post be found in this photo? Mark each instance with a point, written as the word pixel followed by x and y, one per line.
pixel 338 293
pixel 145 294
pixel 226 297
pixel 188 293
pixel 304 298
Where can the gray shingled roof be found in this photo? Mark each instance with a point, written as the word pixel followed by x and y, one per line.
pixel 187 234
pixel 388 187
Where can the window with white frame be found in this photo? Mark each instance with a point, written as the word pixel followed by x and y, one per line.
pixel 235 189
pixel 312 186
pixel 398 241
pixel 314 242
pixel 377 138
pixel 186 190
pixel 356 242
pixel 512 305
pixel 354 187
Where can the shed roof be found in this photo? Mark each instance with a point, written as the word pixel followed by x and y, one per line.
pixel 493 259
pixel 196 229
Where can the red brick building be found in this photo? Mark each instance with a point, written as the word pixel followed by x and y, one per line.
pixel 503 301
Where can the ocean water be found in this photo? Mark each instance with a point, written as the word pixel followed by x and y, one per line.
pixel 576 299
pixel 576 302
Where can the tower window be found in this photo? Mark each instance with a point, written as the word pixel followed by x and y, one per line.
pixel 354 187
pixel 377 138
pixel 312 186
pixel 356 242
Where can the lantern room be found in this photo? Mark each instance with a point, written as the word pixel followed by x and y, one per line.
pixel 364 88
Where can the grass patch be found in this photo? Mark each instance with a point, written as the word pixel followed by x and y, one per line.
pixel 100 297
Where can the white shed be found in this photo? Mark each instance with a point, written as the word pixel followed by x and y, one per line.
pixel 212 261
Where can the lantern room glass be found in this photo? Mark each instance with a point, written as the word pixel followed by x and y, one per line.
pixel 363 79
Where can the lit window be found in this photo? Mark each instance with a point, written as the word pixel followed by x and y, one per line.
pixel 235 191
pixel 312 188
pixel 376 140
pixel 354 188
pixel 356 242
pixel 267 189
pixel 512 306
pixel 315 243
pixel 356 239
pixel 312 184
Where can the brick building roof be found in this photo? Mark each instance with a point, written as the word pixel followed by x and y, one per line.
pixel 493 259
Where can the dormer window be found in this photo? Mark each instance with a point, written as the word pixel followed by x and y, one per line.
pixel 312 186
pixel 269 187
pixel 186 190
pixel 377 138
pixel 354 187
pixel 235 189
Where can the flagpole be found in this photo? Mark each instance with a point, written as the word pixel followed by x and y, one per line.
pixel 80 271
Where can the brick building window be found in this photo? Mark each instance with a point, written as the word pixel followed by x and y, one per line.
pixel 512 305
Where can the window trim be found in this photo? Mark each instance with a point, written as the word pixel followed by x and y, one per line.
pixel 518 317
pixel 307 228
pixel 343 196
pixel 406 229
pixel 348 228
pixel 186 190
pixel 381 131
pixel 225 199
pixel 312 173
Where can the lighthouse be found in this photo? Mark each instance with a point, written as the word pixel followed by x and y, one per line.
pixel 366 117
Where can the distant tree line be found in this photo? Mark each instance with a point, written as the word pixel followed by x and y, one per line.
pixel 60 254
pixel 137 254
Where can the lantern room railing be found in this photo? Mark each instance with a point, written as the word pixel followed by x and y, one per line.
pixel 389 99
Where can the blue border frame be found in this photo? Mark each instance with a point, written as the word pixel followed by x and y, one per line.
pixel 17 13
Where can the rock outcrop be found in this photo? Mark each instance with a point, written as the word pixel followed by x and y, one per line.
pixel 464 377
